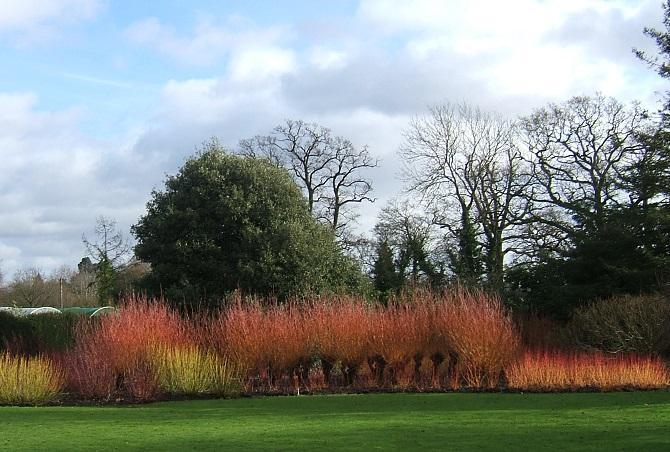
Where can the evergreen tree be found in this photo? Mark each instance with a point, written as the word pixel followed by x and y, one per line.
pixel 466 260
pixel 106 276
pixel 384 274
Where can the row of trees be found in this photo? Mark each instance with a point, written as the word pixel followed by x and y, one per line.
pixel 562 206
pixel 107 271
pixel 31 287
pixel 565 205
pixel 551 210
pixel 556 208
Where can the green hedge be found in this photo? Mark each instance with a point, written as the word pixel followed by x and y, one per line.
pixel 42 333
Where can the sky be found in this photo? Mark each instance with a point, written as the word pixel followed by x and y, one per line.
pixel 100 100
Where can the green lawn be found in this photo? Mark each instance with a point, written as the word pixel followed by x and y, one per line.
pixel 616 421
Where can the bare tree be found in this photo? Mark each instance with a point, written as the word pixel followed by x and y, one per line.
pixel 110 245
pixel 579 150
pixel 466 165
pixel 328 168
pixel 29 289
pixel 347 185
pixel 303 149
pixel 109 251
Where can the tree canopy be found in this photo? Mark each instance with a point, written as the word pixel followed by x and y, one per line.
pixel 227 222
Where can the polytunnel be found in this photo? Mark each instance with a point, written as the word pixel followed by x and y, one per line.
pixel 23 312
pixel 90 312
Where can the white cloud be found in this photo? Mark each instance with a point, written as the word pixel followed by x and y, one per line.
pixel 27 21
pixel 545 72
pixel 19 122
pixel 209 43
pixel 480 17
pixel 211 101
pixel 56 181
pixel 10 258
pixel 261 63
pixel 543 50
pixel 324 58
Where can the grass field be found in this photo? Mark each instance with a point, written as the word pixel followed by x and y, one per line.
pixel 593 421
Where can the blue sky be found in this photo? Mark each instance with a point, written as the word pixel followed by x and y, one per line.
pixel 100 99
